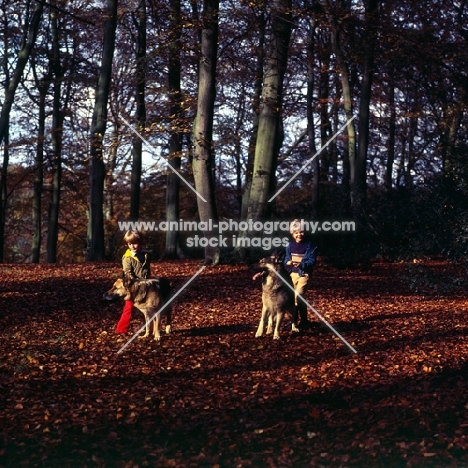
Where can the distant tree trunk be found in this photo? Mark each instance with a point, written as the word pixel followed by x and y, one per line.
pixel 324 102
pixel 391 135
pixel 57 135
pixel 23 57
pixel 336 123
pixel 42 84
pixel 137 147
pixel 315 165
pixel 110 179
pixel 203 152
pixel 11 84
pixel 95 241
pixel 358 164
pixel 172 249
pixel 4 190
pixel 412 135
pixel 451 125
pixel 239 122
pixel 270 128
pixel 39 176
pixel 111 241
pixel 347 104
pixel 257 94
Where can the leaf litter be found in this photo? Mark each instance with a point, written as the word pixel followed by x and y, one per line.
pixel 212 395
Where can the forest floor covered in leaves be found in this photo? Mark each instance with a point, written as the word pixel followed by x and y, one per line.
pixel 212 395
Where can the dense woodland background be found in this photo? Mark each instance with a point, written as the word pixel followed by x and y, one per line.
pixel 238 96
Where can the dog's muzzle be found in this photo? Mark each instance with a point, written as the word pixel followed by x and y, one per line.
pixel 109 297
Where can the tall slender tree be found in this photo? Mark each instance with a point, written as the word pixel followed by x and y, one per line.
pixel 391 131
pixel 42 86
pixel 11 84
pixel 336 33
pixel 203 152
pixel 57 136
pixel 358 164
pixel 258 81
pixel 23 57
pixel 95 241
pixel 172 248
pixel 315 188
pixel 269 129
pixel 139 19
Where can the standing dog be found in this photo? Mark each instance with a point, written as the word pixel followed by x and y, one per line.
pixel 148 296
pixel 277 295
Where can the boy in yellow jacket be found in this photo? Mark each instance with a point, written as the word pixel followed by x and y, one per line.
pixel 136 264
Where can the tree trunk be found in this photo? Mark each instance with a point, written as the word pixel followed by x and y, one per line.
pixel 358 164
pixel 11 84
pixel 412 134
pixel 4 189
pixel 347 104
pixel 137 147
pixel 452 122
pixel 95 241
pixel 239 121
pixel 269 128
pixel 42 85
pixel 57 135
pixel 23 57
pixel 255 110
pixel 391 136
pixel 38 178
pixel 172 248
pixel 203 152
pixel 324 100
pixel 111 242
pixel 315 165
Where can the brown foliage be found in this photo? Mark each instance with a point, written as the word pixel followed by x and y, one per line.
pixel 211 394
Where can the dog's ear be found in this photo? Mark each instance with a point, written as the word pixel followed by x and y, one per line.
pixel 279 255
pixel 127 280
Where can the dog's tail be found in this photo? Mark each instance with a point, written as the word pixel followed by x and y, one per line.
pixel 165 288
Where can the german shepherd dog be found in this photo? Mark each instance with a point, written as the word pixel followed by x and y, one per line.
pixel 277 295
pixel 148 296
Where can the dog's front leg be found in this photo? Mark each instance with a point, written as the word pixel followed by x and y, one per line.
pixel 147 325
pixel 262 323
pixel 259 329
pixel 279 321
pixel 270 325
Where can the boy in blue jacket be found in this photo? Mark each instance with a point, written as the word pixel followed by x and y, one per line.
pixel 299 260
